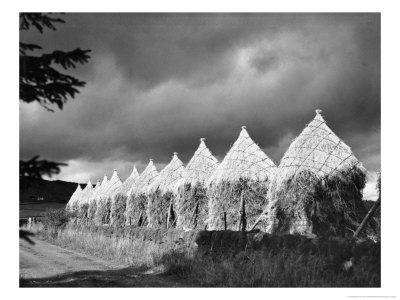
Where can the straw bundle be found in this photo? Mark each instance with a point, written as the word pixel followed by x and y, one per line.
pixel 102 215
pixel 72 200
pixel 317 189
pixel 191 200
pixel 237 189
pixel 119 199
pixel 83 201
pixel 92 201
pixel 161 195
pixel 136 205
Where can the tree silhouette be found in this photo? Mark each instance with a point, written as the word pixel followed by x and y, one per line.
pixel 41 81
pixel 37 168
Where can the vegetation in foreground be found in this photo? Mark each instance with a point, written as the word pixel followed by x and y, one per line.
pixel 255 268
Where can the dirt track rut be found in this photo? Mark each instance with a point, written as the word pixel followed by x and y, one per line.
pixel 45 260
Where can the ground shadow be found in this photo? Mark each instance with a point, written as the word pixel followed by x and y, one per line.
pixel 125 277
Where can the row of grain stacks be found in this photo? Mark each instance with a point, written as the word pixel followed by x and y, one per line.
pixel 237 190
pixel 161 195
pixel 315 190
pixel 137 200
pixel 191 199
pixel 102 214
pixel 119 199
pixel 318 185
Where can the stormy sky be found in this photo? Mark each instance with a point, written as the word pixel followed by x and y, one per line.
pixel 156 83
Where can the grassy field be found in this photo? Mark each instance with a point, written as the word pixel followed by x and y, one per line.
pixel 37 209
pixel 283 267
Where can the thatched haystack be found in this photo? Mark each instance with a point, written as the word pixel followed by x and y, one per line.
pixel 84 201
pixel 119 199
pixel 92 202
pixel 136 205
pixel 74 197
pixel 102 215
pixel 161 195
pixel 238 188
pixel 191 200
pixel 318 185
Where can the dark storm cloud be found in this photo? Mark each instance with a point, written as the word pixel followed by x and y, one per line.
pixel 157 83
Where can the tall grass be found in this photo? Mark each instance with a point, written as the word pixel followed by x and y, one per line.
pixel 254 268
pixel 258 269
pixel 122 249
pixel 132 252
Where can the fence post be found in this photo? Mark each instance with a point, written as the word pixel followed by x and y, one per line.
pixel 367 217
pixel 243 220
pixel 225 225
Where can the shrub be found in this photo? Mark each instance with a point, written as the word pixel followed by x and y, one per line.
pixel 56 219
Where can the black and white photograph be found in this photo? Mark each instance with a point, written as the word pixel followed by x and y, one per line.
pixel 201 149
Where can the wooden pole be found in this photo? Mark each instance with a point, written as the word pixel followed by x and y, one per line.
pixel 225 225
pixel 196 215
pixel 258 220
pixel 240 212
pixel 169 214
pixel 243 221
pixel 140 215
pixel 193 218
pixel 367 217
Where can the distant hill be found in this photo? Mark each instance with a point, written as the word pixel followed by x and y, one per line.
pixel 40 190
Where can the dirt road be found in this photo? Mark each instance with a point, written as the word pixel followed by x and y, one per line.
pixel 47 265
pixel 45 260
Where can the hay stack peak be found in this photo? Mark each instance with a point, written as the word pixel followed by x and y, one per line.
pixel 318 185
pixel 201 165
pixel 104 181
pixel 319 150
pixel 102 188
pixel 244 160
pixel 75 195
pixel 95 189
pixel 129 182
pixel 134 173
pixel 77 192
pixel 86 192
pixel 169 176
pixel 113 184
pixel 146 178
